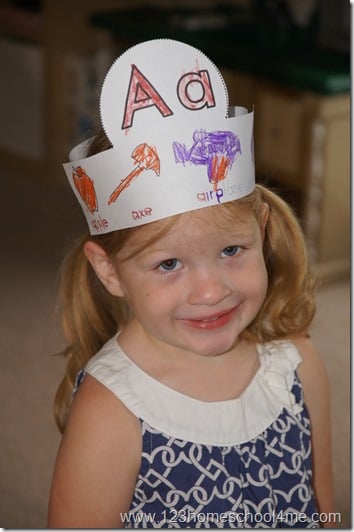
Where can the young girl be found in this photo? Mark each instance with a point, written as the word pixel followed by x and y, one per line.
pixel 202 402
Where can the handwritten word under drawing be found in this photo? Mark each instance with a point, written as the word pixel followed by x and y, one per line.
pixel 85 187
pixel 99 224
pixel 147 158
pixel 217 150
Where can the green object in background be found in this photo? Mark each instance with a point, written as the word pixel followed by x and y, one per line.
pixel 234 39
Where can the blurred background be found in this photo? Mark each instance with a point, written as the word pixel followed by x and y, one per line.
pixel 289 59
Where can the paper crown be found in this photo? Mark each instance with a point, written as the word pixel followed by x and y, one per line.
pixel 177 145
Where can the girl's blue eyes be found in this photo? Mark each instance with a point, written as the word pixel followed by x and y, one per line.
pixel 170 265
pixel 230 251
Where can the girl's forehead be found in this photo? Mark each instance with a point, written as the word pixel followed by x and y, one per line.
pixel 207 221
pixel 220 216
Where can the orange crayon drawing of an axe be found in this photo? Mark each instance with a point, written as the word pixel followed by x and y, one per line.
pixel 147 159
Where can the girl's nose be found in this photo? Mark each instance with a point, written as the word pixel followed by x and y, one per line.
pixel 207 287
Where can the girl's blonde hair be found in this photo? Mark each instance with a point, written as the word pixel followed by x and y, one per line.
pixel 91 315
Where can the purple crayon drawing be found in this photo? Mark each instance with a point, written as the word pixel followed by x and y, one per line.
pixel 216 149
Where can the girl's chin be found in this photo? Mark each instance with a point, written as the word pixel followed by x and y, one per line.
pixel 205 347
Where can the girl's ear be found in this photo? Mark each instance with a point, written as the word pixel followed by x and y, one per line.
pixel 103 267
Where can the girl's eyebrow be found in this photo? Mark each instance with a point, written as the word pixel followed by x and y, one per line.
pixel 243 233
pixel 232 237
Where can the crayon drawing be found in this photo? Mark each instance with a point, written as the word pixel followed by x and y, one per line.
pixel 216 150
pixel 147 158
pixel 85 187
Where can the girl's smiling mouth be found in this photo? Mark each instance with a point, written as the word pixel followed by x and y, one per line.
pixel 213 321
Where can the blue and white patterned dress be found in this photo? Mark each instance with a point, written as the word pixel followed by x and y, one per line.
pixel 241 463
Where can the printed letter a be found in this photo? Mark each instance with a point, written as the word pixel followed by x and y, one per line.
pixel 141 94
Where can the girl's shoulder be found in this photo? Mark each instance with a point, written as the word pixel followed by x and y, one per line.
pixel 89 464
pixel 95 411
pixel 299 353
pixel 312 373
pixel 312 366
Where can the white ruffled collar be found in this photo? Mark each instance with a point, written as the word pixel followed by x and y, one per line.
pixel 219 423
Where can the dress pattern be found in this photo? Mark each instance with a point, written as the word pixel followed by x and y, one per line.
pixel 248 478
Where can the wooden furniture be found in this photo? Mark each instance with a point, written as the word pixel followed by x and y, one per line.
pixel 302 147
pixel 72 58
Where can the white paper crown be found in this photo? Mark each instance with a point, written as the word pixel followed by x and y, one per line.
pixel 177 146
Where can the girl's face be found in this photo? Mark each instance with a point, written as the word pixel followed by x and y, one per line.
pixel 197 287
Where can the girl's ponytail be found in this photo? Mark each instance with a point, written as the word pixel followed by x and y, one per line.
pixel 90 316
pixel 289 306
